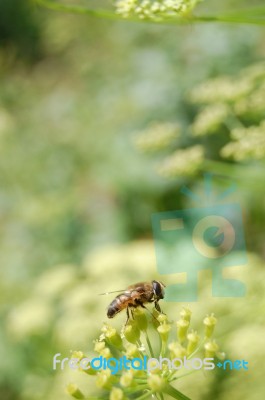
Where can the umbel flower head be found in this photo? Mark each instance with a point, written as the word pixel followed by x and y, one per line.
pixel 155 9
pixel 150 370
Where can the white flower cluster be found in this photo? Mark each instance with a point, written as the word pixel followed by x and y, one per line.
pixel 154 9
pixel 184 162
pixel 248 143
pixel 210 119
pixel 253 105
pixel 237 103
pixel 222 89
pixel 157 136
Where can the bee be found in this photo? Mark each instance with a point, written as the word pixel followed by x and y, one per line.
pixel 136 296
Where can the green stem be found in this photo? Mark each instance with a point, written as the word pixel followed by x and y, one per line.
pixel 197 349
pixel 51 5
pixel 240 172
pixel 146 395
pixel 183 375
pixel 163 348
pixel 138 389
pixel 173 392
pixel 149 345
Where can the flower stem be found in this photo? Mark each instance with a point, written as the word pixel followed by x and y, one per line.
pixel 173 392
pixel 145 396
pixel 149 344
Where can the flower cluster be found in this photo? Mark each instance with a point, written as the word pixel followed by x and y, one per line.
pixel 156 136
pixel 238 104
pixel 221 89
pixel 171 339
pixel 155 9
pixel 183 162
pixel 248 143
pixel 210 119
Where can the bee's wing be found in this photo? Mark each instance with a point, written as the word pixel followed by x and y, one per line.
pixel 115 291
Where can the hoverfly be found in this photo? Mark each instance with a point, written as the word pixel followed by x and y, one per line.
pixel 136 296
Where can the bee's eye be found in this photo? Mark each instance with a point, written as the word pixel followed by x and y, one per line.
pixel 157 289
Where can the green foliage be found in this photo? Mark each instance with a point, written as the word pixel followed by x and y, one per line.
pixel 19 29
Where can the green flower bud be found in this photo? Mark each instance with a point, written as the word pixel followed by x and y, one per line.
pixel 114 338
pixel 193 340
pixel 209 323
pixel 132 332
pixel 211 348
pixel 156 383
pixel 116 394
pixel 141 319
pixel 182 328
pixel 73 390
pixel 185 314
pixel 163 331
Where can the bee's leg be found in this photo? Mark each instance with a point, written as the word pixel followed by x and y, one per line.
pixel 128 316
pixel 157 306
pixel 132 313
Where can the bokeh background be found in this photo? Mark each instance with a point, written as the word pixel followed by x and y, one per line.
pixel 76 194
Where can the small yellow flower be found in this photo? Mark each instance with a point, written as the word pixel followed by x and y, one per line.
pixel 211 348
pixel 176 350
pixel 116 394
pixel 185 314
pixel 156 383
pixel 132 351
pixel 113 337
pixel 99 346
pixel 193 340
pixel 163 331
pixel 209 323
pixel 182 328
pixel 73 390
pixel 77 354
pixel 127 379
pixel 104 379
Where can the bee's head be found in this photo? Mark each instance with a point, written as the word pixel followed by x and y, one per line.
pixel 158 288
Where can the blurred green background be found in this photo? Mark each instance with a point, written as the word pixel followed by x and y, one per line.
pixel 76 196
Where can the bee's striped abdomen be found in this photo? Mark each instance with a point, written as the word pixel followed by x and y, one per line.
pixel 118 304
